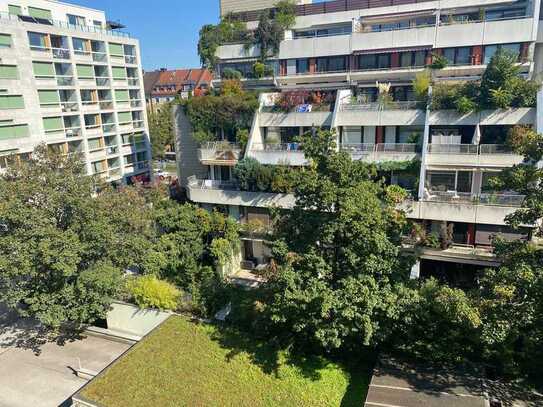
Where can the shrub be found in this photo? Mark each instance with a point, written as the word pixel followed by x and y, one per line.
pixel 150 292
pixel 285 14
pixel 232 87
pixel 229 73
pixel 438 62
pixel 259 70
pixel 421 84
pixel 464 104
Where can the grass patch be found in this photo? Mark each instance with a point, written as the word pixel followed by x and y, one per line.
pixel 188 364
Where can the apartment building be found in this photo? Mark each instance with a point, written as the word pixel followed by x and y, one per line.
pixel 70 79
pixel 165 85
pixel 338 50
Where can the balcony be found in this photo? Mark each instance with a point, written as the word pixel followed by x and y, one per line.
pixel 135 103
pixel 376 114
pixel 227 193
pixel 65 80
pixel 400 38
pixel 278 154
pixel 130 59
pixel 488 155
pixel 102 81
pixel 69 106
pixel 219 153
pixel 90 106
pixel 109 128
pixel 72 132
pixel 99 57
pixel 382 151
pixel 106 104
pixel 133 81
pixel 93 130
pixel 295 119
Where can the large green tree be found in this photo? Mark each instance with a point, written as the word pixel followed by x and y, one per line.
pixel 161 129
pixel 65 239
pixel 340 278
pixel 511 299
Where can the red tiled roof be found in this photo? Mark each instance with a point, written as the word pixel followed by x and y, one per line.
pixel 178 78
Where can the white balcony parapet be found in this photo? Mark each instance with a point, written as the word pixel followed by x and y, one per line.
pixel 497 155
pixel 219 153
pixel 278 154
pixel 493 199
pixel 381 152
pixel 357 106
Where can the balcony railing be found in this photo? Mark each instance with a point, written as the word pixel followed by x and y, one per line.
pixel 374 106
pixel 470 149
pixel 69 106
pixel 99 57
pixel 194 182
pixel 65 80
pixel 271 147
pixel 453 148
pixel 62 24
pixel 497 199
pixel 130 59
pixel 109 128
pixel 106 104
pixel 73 132
pixel 135 103
pixel 369 148
pixel 133 81
pixel 102 81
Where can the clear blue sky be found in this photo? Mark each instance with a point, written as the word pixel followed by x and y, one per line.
pixel 167 29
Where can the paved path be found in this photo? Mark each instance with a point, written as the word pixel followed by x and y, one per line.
pixel 33 373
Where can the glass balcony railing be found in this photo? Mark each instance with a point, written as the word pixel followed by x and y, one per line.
pixel 65 80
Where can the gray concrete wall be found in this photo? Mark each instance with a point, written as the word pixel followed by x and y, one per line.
pixel 188 163
pixel 133 320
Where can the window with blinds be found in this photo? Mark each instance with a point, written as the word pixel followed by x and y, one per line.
pixel 84 71
pixel 13 131
pixel 116 49
pixel 14 10
pixel 11 102
pixel 53 124
pixel 124 117
pixel 43 69
pixel 39 13
pixel 48 97
pixel 121 95
pixel 5 41
pixel 8 72
pixel 118 72
pixel 95 144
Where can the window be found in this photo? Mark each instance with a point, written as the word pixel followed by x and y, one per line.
pixel 5 41
pixel 121 95
pixel 8 72
pixel 383 61
pixel 118 72
pixel 405 59
pixel 13 131
pixel 505 13
pixel 116 49
pixel 458 56
pixel 97 23
pixel 95 144
pixel 38 42
pixel 367 62
pixel 14 10
pixel 84 71
pixel 302 66
pixel 420 58
pixel 51 124
pixel 491 50
pixel 80 46
pixel 11 102
pixel 39 13
pixel 322 64
pixel 48 97
pixel 336 64
pixel 76 20
pixel 43 69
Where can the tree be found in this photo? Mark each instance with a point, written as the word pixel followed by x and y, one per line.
pixel 340 275
pixel 161 129
pixel 65 239
pixel 511 299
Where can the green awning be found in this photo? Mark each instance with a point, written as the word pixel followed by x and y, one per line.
pixel 85 71
pixel 121 95
pixel 15 10
pixel 118 72
pixel 116 49
pixel 8 72
pixel 53 123
pixel 11 102
pixel 44 69
pixel 48 97
pixel 39 13
pixel 5 40
pixel 13 131
pixel 124 117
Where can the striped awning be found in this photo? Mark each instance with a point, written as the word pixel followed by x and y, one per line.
pixel 390 50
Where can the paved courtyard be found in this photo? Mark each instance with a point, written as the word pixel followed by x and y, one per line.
pixel 35 372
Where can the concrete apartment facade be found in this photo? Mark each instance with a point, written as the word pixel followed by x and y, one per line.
pixel 68 80
pixel 341 48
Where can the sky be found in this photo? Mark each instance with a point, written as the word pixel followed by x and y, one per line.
pixel 167 29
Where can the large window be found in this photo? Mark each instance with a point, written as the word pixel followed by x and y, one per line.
pixel 37 41
pixel 491 50
pixel 302 66
pixel 453 181
pixel 75 20
pixel 376 61
pixel 413 58
pixel 5 41
pixel 458 56
pixel 336 64
pixel 324 32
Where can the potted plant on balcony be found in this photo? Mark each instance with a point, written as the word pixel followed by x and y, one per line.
pixel 384 99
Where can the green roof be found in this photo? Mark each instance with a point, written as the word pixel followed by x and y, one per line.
pixel 182 363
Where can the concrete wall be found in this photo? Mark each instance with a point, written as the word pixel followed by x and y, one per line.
pixel 241 198
pixel 188 163
pixel 133 320
pixel 295 119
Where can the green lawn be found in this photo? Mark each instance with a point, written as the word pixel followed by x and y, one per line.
pixel 187 364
